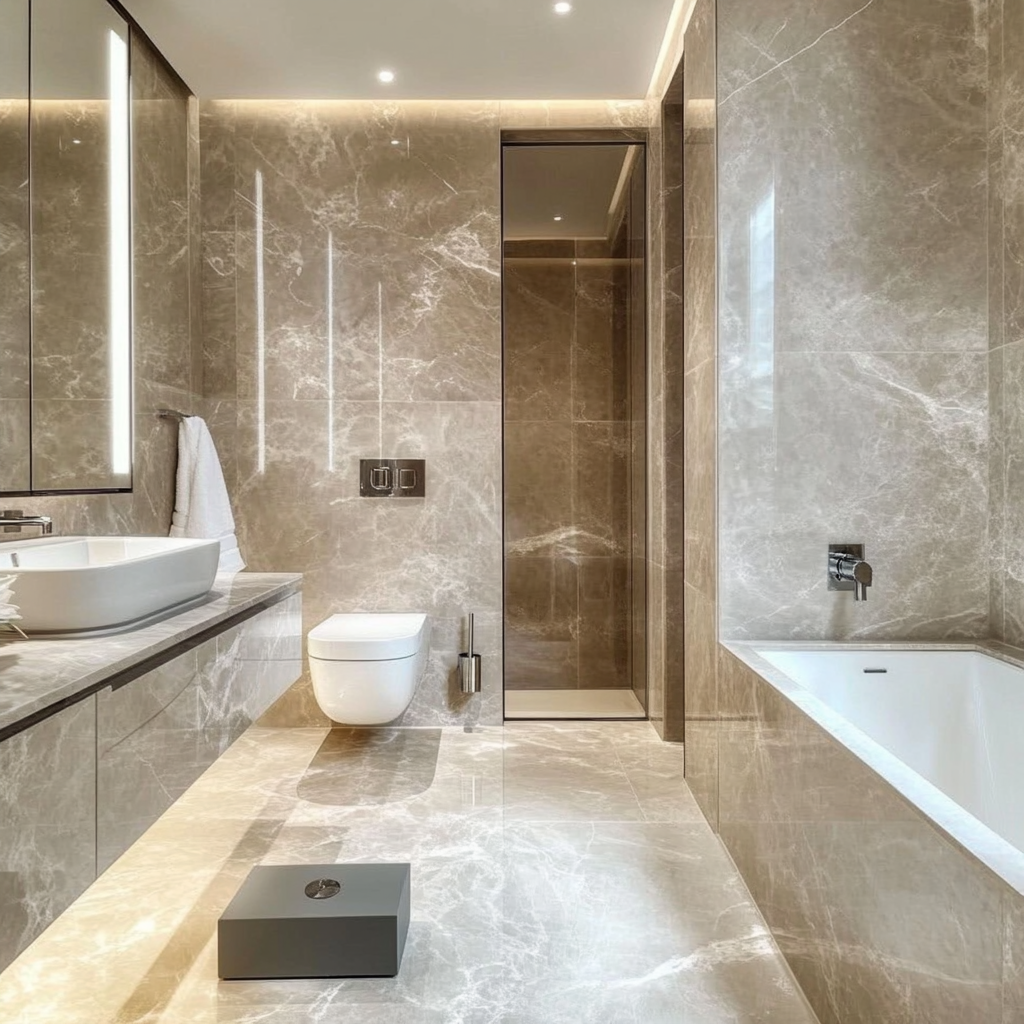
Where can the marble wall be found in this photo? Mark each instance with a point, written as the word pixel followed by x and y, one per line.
pixel 853 321
pixel 1006 322
pixel 567 450
pixel 666 458
pixel 694 309
pixel 880 916
pixel 15 297
pixel 352 308
pixel 166 306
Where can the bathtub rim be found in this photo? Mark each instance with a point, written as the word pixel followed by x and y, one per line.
pixel 954 822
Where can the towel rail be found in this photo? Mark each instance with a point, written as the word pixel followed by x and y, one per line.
pixel 172 414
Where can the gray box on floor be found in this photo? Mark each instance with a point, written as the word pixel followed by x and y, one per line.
pixel 316 921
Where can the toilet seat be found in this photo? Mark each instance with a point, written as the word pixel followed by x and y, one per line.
pixel 377 637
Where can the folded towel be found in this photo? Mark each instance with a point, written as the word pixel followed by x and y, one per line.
pixel 201 505
pixel 8 611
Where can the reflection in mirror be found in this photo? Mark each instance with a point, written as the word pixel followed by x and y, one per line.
pixel 15 295
pixel 81 248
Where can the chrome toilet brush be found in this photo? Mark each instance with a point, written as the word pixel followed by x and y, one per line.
pixel 469 665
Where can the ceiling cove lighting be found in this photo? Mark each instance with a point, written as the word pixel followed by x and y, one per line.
pixel 563 8
pixel 385 76
pixel 120 260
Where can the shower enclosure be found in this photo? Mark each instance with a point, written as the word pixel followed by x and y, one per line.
pixel 575 339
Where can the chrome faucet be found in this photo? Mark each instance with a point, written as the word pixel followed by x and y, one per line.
pixel 847 570
pixel 14 520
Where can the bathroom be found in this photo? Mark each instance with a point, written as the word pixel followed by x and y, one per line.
pixel 688 330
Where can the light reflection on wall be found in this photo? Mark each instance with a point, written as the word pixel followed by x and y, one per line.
pixel 761 282
pixel 120 260
pixel 261 337
pixel 330 351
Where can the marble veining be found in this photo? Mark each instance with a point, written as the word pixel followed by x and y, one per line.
pixel 560 874
pixel 160 732
pixel 47 823
pixel 569 456
pixel 377 332
pixel 36 674
pixel 853 371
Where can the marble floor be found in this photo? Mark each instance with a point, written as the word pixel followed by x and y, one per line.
pixel 561 873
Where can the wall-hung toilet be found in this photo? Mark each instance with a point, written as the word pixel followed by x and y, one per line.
pixel 366 668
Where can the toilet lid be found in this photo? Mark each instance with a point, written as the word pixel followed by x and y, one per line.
pixel 367 637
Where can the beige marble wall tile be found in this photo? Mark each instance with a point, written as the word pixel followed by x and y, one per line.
pixel 542 619
pixel 15 298
pixel 377 332
pixel 604 635
pixel 15 442
pixel 600 350
pixel 914 467
pixel 539 491
pixel 538 310
pixel 853 326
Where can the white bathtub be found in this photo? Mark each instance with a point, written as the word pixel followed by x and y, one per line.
pixel 945 727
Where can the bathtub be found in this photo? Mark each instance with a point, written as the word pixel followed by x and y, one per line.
pixel 945 727
pixel 872 798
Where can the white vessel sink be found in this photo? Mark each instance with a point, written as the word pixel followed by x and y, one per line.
pixel 85 585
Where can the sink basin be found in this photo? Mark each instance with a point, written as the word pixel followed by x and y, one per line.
pixel 70 586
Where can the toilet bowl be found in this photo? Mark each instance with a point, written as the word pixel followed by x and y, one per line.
pixel 366 668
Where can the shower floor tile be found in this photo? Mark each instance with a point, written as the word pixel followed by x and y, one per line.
pixel 559 704
pixel 561 874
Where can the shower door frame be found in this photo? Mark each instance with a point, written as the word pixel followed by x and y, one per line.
pixel 535 137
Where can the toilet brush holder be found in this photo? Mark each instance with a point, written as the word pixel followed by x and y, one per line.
pixel 469 666
pixel 469 672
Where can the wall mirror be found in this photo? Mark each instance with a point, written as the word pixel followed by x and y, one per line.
pixel 65 248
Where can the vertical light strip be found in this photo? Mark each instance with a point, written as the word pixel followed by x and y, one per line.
pixel 380 368
pixel 120 260
pixel 330 351
pixel 261 338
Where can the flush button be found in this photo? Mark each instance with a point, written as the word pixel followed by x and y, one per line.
pixel 392 478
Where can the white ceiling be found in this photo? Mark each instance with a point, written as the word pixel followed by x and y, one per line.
pixel 439 49
pixel 576 183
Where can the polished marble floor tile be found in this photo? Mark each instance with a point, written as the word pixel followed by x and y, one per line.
pixel 561 873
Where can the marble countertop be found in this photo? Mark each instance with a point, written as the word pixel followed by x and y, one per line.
pixel 38 674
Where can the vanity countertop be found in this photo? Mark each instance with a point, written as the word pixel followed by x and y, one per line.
pixel 39 674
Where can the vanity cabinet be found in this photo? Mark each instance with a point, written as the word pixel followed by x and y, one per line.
pixel 159 732
pixel 47 823
pixel 81 785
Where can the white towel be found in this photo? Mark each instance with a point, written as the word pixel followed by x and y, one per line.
pixel 201 505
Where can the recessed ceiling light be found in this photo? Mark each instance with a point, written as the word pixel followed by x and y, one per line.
pixel 396 142
pixel 386 76
pixel 558 218
pixel 563 8
pixel 77 142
